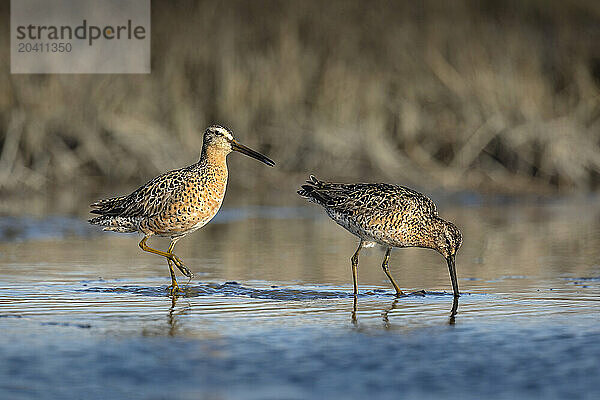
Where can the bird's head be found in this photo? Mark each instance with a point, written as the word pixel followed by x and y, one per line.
pixel 220 138
pixel 448 239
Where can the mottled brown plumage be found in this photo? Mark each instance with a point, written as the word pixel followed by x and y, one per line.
pixel 177 202
pixel 388 215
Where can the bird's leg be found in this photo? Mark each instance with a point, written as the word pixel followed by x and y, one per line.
pixel 354 260
pixel 149 249
pixel 174 286
pixel 170 258
pixel 184 270
pixel 384 265
pixel 178 263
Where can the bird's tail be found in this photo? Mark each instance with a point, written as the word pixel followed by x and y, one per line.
pixel 110 206
pixel 311 191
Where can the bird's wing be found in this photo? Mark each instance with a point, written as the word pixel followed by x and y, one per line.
pixel 382 199
pixel 146 201
pixel 356 199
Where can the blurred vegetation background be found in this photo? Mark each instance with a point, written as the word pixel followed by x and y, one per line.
pixel 493 96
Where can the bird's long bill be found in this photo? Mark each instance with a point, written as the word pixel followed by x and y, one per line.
pixel 452 269
pixel 251 153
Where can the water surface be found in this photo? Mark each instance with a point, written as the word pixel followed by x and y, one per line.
pixel 270 313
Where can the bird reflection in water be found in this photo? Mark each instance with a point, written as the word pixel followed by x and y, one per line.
pixel 453 311
pixel 354 320
pixel 385 313
pixel 174 315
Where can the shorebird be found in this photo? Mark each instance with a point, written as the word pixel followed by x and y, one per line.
pixel 388 215
pixel 177 202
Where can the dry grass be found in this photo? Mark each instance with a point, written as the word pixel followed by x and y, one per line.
pixel 481 95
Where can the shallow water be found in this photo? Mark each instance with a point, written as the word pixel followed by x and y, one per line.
pixel 270 313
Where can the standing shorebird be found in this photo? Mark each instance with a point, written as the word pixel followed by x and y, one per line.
pixel 177 202
pixel 389 215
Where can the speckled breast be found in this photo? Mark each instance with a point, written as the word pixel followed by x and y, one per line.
pixel 192 208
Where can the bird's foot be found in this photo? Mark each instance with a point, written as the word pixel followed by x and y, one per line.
pixel 173 289
pixel 184 270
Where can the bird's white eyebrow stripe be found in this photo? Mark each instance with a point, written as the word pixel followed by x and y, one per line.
pixel 225 132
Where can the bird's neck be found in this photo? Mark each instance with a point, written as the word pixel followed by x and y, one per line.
pixel 214 157
pixel 212 168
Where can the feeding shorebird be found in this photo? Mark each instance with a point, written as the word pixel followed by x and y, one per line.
pixel 389 215
pixel 177 202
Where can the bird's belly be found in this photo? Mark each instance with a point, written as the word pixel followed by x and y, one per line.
pixel 176 224
pixel 351 226
pixel 372 231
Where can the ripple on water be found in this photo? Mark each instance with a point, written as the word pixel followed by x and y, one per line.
pixel 234 289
